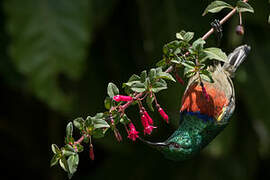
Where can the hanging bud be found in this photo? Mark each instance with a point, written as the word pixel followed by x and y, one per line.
pixel 117 135
pixel 119 98
pixel 91 152
pixel 150 120
pixel 132 133
pixel 179 79
pixel 144 120
pixel 240 30
pixel 163 114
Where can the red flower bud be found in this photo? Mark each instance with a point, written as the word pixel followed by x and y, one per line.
pixel 240 30
pixel 132 133
pixel 150 120
pixel 163 114
pixel 119 98
pixel 91 152
pixel 179 79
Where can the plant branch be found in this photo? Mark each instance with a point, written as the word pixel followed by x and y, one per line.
pixel 228 16
pixel 171 68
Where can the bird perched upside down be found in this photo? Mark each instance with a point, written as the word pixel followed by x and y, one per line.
pixel 201 118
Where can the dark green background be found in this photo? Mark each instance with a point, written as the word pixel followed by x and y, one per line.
pixel 57 57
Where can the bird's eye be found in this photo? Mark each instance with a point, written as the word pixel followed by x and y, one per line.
pixel 175 145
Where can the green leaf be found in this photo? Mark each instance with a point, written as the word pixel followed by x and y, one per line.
pixel 55 149
pixel 112 90
pixel 161 63
pixel 108 103
pixel 244 7
pixel 198 45
pixel 269 19
pixel 78 123
pixel 206 75
pixel 158 86
pixel 188 36
pixel 98 133
pixel 73 162
pixel 143 76
pixel 67 152
pixel 216 6
pixel 63 163
pixel 89 122
pixel 138 87
pixel 180 35
pixel 188 71
pixel 149 101
pixel 216 54
pixel 152 75
pixel 42 52
pixel 189 64
pixel 134 77
pixel 100 123
pixel 130 83
pixel 54 160
pixel 164 75
pixel 69 129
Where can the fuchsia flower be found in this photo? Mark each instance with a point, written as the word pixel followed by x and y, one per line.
pixel 146 125
pixel 119 98
pixel 132 133
pixel 163 114
pixel 150 120
pixel 204 92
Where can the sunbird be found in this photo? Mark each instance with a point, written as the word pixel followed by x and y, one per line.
pixel 201 118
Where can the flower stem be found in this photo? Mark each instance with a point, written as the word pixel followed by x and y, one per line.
pixel 79 140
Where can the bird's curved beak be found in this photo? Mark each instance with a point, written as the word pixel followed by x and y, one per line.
pixel 155 144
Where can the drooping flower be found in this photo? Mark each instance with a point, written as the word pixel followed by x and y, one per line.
pixel 150 120
pixel 163 114
pixel 119 98
pixel 148 128
pixel 132 133
pixel 91 152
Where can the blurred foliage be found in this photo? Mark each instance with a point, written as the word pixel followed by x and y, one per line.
pixel 58 56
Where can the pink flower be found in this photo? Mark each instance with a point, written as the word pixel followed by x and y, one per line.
pixel 144 120
pixel 150 120
pixel 119 98
pixel 132 133
pixel 147 127
pixel 163 114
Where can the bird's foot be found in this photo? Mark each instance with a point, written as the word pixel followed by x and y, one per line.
pixel 218 30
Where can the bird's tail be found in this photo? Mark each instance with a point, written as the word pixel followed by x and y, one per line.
pixel 236 58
